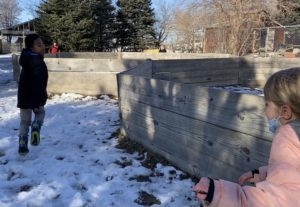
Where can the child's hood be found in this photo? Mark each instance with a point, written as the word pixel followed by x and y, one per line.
pixel 27 56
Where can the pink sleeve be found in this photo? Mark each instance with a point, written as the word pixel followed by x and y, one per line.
pixel 234 195
pixel 280 185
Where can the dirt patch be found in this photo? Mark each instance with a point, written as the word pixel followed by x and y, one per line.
pixel 80 187
pixel 59 158
pixel 141 178
pixel 123 163
pixel 25 188
pixel 152 159
pixel 148 159
pixel 147 199
pixel 2 154
pixel 131 147
pixel 116 134
pixel 3 162
pixel 109 95
pixel 56 197
pixel 11 175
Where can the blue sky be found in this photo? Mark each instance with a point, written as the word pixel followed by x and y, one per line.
pixel 28 5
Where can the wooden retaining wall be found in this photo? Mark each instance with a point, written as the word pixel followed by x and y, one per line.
pixel 204 131
pixel 94 73
pixel 255 71
pixel 86 76
pixel 82 75
pixel 252 72
pixel 205 72
pixel 136 55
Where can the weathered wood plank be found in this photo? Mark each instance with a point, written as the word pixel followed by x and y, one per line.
pixel 85 55
pixel 247 66
pixel 194 65
pixel 217 79
pixel 262 76
pixel 91 65
pixel 167 56
pixel 203 79
pixel 237 148
pixel 200 72
pixel 144 69
pixel 190 69
pixel 253 83
pixel 256 78
pixel 260 70
pixel 198 76
pixel 199 165
pixel 268 63
pixel 87 83
pixel 178 91
pixel 222 116
pixel 232 110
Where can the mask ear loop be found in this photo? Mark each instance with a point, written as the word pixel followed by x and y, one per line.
pixel 279 116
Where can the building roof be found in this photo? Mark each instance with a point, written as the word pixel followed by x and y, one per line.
pixel 21 25
pixel 20 29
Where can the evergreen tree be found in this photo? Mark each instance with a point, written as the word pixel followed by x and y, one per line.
pixel 104 17
pixel 124 31
pixel 76 24
pixel 49 12
pixel 135 21
pixel 289 12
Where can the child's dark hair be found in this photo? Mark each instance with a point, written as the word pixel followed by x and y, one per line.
pixel 29 40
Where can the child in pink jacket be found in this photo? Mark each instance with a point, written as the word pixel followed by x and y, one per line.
pixel 278 184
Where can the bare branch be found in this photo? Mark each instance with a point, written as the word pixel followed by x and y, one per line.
pixel 163 24
pixel 9 13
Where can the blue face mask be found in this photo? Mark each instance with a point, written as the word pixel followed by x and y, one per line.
pixel 274 124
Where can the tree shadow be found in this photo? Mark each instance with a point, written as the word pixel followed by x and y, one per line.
pixel 202 130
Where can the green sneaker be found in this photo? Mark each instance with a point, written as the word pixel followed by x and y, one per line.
pixel 23 142
pixel 35 133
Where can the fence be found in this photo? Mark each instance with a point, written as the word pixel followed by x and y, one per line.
pixel 273 39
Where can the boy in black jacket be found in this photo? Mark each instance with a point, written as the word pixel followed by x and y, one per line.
pixel 32 94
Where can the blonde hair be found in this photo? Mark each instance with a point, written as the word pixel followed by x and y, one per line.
pixel 283 87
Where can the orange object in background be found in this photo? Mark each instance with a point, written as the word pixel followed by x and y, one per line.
pixel 289 55
pixel 151 51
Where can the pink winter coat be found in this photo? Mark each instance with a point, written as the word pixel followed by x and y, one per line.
pixel 279 182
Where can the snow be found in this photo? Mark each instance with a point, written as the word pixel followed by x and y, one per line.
pixel 76 164
pixel 241 89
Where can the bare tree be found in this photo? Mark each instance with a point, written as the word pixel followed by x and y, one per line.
pixel 188 22
pixel 163 25
pixel 229 24
pixel 288 11
pixel 234 21
pixel 9 13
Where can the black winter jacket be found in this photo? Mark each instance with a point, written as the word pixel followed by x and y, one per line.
pixel 32 91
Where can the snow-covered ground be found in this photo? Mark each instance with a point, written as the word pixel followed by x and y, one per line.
pixel 77 163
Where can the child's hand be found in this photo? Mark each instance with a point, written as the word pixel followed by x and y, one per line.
pixel 202 188
pixel 245 178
